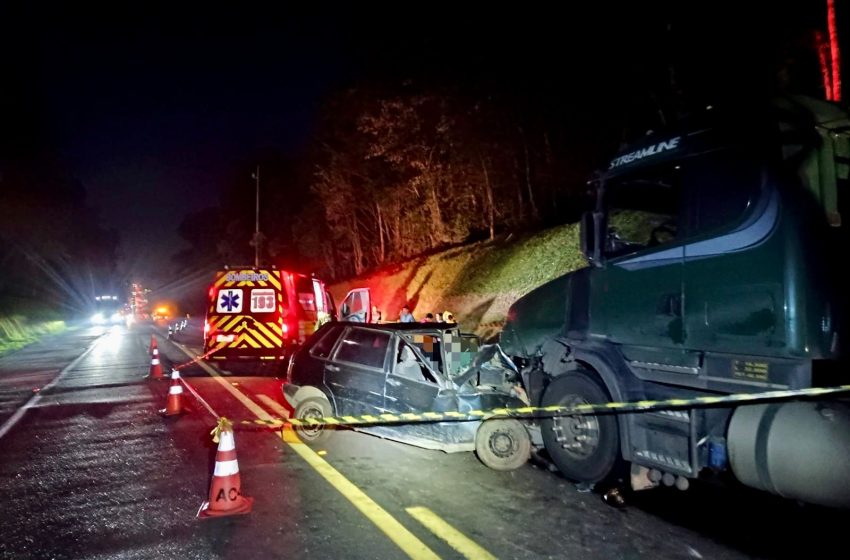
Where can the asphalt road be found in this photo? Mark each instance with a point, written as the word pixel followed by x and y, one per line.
pixel 90 469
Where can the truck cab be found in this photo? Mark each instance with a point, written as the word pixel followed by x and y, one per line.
pixel 712 252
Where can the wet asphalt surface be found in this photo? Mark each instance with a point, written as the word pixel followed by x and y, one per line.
pixel 92 470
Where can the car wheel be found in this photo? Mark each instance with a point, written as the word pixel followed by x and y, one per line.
pixel 584 448
pixel 314 407
pixel 502 444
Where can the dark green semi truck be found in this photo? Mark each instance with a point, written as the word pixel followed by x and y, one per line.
pixel 715 257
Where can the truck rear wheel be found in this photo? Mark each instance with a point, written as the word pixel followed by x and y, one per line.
pixel 584 448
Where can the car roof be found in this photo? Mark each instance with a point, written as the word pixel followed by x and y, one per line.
pixel 403 327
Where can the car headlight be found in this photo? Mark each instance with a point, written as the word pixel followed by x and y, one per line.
pixel 98 319
pixel 116 317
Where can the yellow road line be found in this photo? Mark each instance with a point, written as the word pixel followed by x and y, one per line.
pixel 289 436
pixel 388 524
pixel 457 540
pixel 274 405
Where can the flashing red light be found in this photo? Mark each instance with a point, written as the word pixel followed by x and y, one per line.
pixel 834 51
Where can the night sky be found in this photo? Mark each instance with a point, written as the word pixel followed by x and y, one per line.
pixel 153 114
pixel 156 110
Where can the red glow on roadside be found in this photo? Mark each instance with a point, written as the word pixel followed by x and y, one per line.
pixel 834 51
pixel 823 59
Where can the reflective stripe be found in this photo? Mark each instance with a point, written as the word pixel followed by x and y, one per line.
pixel 226 468
pixel 226 442
pixel 175 374
pixel 243 338
pixel 274 281
pixel 175 390
pixel 155 362
pixel 273 340
pixel 227 325
pixel 261 340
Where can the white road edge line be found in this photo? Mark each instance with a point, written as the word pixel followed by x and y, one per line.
pixel 15 418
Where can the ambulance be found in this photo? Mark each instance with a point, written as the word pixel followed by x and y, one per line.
pixel 262 314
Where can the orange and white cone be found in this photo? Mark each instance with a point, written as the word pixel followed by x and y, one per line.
pixel 153 344
pixel 226 489
pixel 156 367
pixel 174 404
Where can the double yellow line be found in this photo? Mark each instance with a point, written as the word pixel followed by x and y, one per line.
pixel 386 523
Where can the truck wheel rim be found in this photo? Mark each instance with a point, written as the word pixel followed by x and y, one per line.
pixel 578 436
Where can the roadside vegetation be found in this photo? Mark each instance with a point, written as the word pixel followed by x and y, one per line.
pixel 16 331
pixel 477 283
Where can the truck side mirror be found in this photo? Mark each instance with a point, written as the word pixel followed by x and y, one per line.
pixel 589 237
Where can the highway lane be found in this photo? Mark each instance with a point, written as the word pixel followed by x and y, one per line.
pixel 93 471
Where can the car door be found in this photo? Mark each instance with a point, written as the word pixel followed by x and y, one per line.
pixel 412 391
pixel 357 306
pixel 356 372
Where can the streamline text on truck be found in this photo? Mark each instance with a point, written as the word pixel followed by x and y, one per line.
pixel 715 256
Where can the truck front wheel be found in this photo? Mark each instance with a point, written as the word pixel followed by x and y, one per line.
pixel 584 448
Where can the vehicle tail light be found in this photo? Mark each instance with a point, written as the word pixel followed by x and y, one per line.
pixel 206 328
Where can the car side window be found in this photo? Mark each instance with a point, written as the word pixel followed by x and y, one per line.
pixel 322 349
pixel 430 347
pixel 364 346
pixel 408 365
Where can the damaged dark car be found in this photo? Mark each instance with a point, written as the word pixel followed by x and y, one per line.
pixel 354 369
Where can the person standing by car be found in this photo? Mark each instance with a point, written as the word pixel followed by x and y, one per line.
pixel 406 316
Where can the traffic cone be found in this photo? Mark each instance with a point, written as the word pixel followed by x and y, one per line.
pixel 169 332
pixel 153 344
pixel 226 488
pixel 174 404
pixel 156 368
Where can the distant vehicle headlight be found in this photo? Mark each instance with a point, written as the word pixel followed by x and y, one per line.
pixel 98 319
pixel 116 318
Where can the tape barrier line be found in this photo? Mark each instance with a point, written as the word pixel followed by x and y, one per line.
pixel 199 398
pixel 194 360
pixel 552 411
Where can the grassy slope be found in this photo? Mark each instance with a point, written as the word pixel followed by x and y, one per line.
pixel 476 282
pixel 16 331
